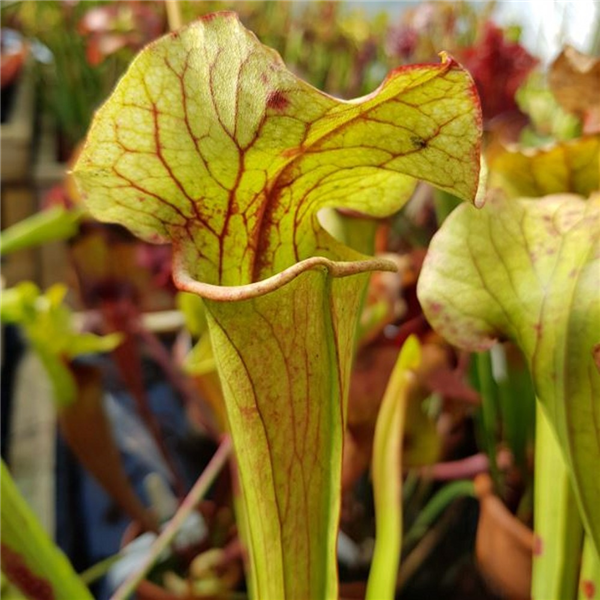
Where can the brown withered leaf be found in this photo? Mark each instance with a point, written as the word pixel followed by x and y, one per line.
pixel 574 79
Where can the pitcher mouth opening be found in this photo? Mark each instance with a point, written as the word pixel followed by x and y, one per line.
pixel 220 293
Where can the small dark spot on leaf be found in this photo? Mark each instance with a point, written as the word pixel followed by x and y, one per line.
pixel 596 355
pixel 538 545
pixel 277 100
pixel 418 142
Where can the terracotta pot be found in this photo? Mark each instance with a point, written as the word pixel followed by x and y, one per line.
pixel 504 545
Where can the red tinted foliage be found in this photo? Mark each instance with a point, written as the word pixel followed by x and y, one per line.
pixel 20 575
pixel 499 67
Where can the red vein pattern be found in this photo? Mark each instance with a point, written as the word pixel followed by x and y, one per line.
pixel 210 142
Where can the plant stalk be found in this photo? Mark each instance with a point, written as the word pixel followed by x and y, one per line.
pixel 558 526
pixel 435 507
pixel 284 360
pixel 189 504
pixel 173 14
pixel 589 576
pixel 45 226
pixel 387 475
pixel 99 569
pixel 489 410
pixel 121 316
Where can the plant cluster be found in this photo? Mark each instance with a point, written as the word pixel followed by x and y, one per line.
pixel 399 289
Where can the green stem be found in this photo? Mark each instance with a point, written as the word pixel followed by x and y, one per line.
pixel 589 577
pixel 387 475
pixel 241 519
pixel 558 527
pixel 435 507
pixel 489 410
pixel 46 226
pixel 99 569
pixel 516 400
pixel 173 15
pixel 187 506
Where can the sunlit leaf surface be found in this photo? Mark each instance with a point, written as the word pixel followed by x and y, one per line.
pixel 211 144
pixel 572 167
pixel 529 270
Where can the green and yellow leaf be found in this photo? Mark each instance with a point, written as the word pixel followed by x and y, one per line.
pixel 529 270
pixel 566 167
pixel 211 144
pixel 29 558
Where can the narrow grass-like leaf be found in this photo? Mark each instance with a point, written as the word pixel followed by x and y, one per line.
pixel 387 474
pixel 28 556
pixel 46 226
